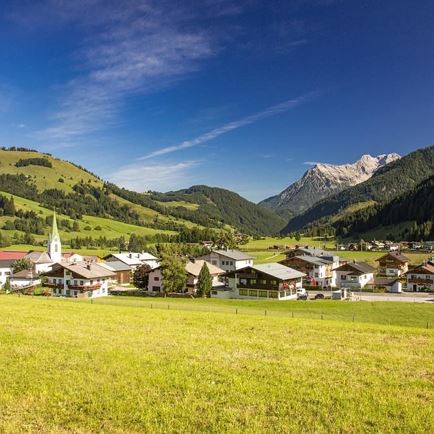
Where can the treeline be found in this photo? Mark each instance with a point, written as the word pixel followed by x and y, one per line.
pixel 23 162
pixel 416 207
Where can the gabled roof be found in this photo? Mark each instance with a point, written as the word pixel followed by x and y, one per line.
pixel 116 266
pixel 359 267
pixel 427 268
pixel 195 267
pixel 39 258
pixel 275 270
pixel 7 263
pixel 233 254
pixel 25 274
pixel 83 269
pixel 133 258
pixel 12 254
pixel 395 255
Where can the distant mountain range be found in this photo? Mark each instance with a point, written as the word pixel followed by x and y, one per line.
pixel 323 180
pixel 348 208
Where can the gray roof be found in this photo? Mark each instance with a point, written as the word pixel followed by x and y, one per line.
pixel 313 251
pixel 38 258
pixel 233 254
pixel 362 267
pixel 314 260
pixel 278 271
pixel 25 274
pixel 7 263
pixel 117 265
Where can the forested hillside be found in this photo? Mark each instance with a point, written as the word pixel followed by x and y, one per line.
pixel 392 180
pixel 415 207
pixel 76 192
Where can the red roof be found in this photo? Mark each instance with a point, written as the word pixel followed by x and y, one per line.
pixel 12 255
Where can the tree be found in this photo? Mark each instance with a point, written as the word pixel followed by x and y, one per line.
pixel 141 276
pixel 204 281
pixel 297 236
pixel 173 273
pixel 22 264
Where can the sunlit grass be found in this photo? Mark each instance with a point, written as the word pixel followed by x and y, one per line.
pixel 72 366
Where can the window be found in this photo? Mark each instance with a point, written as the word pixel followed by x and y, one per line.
pixel 213 262
pixel 156 289
pixel 232 262
pixel 243 281
pixel 263 282
pixel 343 277
pixel 252 281
pixel 156 278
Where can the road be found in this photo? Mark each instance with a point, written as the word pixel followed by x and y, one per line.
pixel 369 296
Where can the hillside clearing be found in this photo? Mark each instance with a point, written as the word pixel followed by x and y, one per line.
pixel 81 367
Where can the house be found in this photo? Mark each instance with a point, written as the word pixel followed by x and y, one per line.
pixel 134 259
pixel 318 270
pixel 421 278
pixel 228 260
pixel 41 261
pixel 264 281
pixel 80 279
pixel 392 264
pixel 388 284
pixel 6 268
pixel 307 251
pixel 192 268
pixel 24 279
pixel 354 275
pixel 122 271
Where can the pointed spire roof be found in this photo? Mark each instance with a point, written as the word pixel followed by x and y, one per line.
pixel 54 230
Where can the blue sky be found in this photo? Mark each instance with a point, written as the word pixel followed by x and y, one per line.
pixel 240 94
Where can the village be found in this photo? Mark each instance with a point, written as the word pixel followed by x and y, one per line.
pixel 227 273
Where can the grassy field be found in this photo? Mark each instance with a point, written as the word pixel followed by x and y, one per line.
pixel 262 251
pixel 72 366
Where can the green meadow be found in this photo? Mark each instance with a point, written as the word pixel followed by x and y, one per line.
pixel 118 366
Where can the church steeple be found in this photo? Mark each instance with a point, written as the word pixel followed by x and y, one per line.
pixel 54 244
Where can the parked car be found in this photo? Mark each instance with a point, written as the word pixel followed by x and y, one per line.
pixel 301 294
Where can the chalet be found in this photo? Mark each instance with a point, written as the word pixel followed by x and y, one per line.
pixel 24 279
pixel 392 264
pixel 387 284
pixel 307 251
pixel 80 279
pixel 265 281
pixel 318 270
pixel 421 278
pixel 6 268
pixel 122 271
pixel 192 268
pixel 228 260
pixel 354 275
pixel 41 261
pixel 134 259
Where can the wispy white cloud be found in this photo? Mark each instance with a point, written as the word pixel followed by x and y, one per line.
pixel 130 49
pixel 311 163
pixel 210 135
pixel 161 177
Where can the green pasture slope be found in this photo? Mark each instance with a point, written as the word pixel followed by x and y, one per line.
pixel 118 366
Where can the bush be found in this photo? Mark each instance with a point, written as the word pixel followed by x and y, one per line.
pixel 23 162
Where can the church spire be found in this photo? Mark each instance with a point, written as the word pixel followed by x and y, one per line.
pixel 54 230
pixel 54 244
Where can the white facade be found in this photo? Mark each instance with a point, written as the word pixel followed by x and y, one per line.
pixel 22 282
pixel 69 286
pixel 228 262
pixel 417 282
pixel 5 272
pixel 348 279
